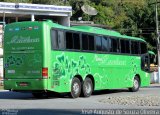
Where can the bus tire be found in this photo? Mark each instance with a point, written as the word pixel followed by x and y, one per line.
pixel 87 87
pixel 75 88
pixel 38 95
pixel 136 85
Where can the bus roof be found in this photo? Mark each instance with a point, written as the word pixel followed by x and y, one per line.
pixel 96 30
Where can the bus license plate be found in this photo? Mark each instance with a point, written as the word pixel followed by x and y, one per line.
pixel 23 84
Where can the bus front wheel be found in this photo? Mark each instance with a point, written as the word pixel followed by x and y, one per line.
pixel 75 88
pixel 87 87
pixel 136 85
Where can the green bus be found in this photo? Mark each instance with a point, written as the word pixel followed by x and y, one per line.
pixel 43 57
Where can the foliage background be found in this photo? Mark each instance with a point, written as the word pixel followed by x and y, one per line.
pixel 130 17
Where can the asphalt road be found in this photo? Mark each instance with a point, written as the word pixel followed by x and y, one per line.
pixel 25 103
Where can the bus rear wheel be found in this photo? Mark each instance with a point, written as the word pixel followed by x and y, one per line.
pixel 87 87
pixel 75 88
pixel 136 85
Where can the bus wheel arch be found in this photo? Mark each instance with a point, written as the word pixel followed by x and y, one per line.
pixel 136 83
pixel 92 78
pixel 76 85
pixel 79 77
pixel 87 86
pixel 138 76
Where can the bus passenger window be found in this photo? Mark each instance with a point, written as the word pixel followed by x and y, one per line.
pixel 143 48
pixel 85 42
pixel 91 42
pixel 54 39
pixel 98 43
pixel 69 40
pixel 61 39
pixel 76 40
pixel 125 46
pixel 115 45
pixel 105 44
pixel 109 45
pixel 135 47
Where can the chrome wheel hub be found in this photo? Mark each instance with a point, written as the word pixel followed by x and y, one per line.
pixel 76 88
pixel 88 88
pixel 136 84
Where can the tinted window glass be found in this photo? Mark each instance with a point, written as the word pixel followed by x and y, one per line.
pixel 85 42
pixel 91 42
pixel 125 46
pixel 54 39
pixel 115 45
pixel 69 40
pixel 135 47
pixel 104 44
pixel 61 39
pixel 109 45
pixel 143 48
pixel 98 43
pixel 76 40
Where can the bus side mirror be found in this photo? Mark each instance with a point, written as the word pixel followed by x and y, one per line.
pixel 152 56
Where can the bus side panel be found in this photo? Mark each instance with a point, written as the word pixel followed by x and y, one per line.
pixel 109 71
pixel 65 65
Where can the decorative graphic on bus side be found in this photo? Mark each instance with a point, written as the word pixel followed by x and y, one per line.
pixel 69 67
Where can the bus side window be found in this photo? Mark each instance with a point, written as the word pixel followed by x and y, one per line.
pixel 76 39
pixel 125 46
pixel 61 40
pixel 104 44
pixel 87 42
pixel 91 42
pixel 98 43
pixel 128 46
pixel 54 39
pixel 143 48
pixel 72 40
pixel 69 40
pixel 135 47
pixel 109 45
pixel 115 45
